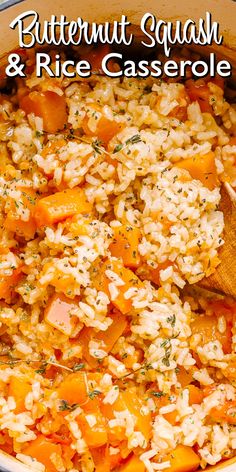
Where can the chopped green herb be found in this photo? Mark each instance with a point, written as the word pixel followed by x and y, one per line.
pixel 78 367
pixel 96 146
pixel 158 394
pixel 134 139
pixel 117 148
pixel 65 406
pixel 93 394
pixel 171 319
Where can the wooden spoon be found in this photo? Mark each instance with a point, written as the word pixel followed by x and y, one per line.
pixel 223 280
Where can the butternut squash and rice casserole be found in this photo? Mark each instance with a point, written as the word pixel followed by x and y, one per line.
pixel 110 358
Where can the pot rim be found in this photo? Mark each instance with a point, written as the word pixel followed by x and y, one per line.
pixel 9 3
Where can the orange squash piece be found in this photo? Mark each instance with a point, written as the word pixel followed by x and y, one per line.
pixel 61 205
pixel 25 229
pixel 198 91
pixel 101 459
pixel 184 377
pixel 41 450
pixel 224 413
pixel 108 337
pixel 49 106
pixel 146 272
pixel 94 435
pixel 6 442
pixel 105 130
pixel 115 460
pixel 134 404
pixel 172 417
pixel 232 141
pixel 58 314
pixel 115 330
pixel 101 282
pixel 160 401
pixel 8 283
pixel 183 459
pixel 125 245
pixel 128 400
pixel 18 389
pixel 133 464
pixel 130 359
pixel 195 395
pixel 207 327
pixel 73 389
pixel 201 168
pixel 52 147
pixel 117 433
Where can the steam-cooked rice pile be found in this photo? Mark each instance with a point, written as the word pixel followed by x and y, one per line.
pixel 107 362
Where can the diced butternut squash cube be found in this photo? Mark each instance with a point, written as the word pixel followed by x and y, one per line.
pixel 49 106
pixel 107 338
pixel 41 449
pixel 207 328
pixel 106 128
pixel 199 91
pixel 52 147
pixel 184 377
pixel 224 413
pixel 183 459
pixel 102 278
pixel 201 168
pixel 19 389
pixel 195 394
pixel 93 428
pixel 74 389
pixel 61 205
pixel 25 229
pixel 8 283
pixel 134 404
pixel 133 464
pixel 146 272
pixel 129 400
pixel 101 459
pixel 125 245
pixel 58 314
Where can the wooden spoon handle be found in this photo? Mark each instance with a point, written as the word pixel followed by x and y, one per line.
pixel 223 280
